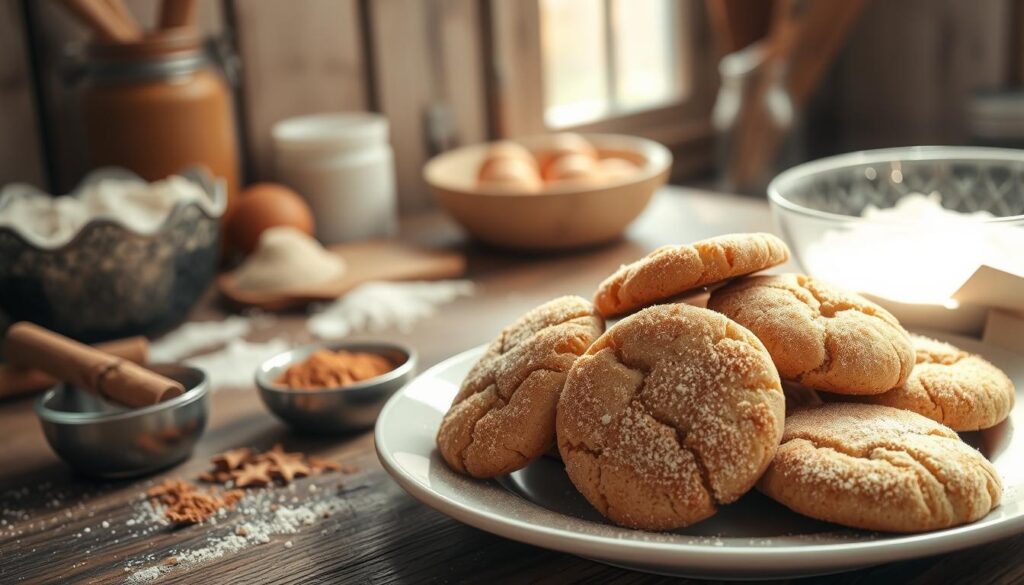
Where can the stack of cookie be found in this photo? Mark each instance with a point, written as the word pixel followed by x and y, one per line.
pixel 676 410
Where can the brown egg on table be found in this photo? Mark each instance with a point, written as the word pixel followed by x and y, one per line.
pixel 556 146
pixel 617 169
pixel 262 206
pixel 512 175
pixel 574 169
pixel 504 151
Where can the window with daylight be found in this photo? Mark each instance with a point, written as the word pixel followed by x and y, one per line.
pixel 642 67
pixel 603 58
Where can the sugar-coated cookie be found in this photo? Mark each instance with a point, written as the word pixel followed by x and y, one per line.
pixel 670 271
pixel 820 335
pixel 672 412
pixel 958 389
pixel 504 414
pixel 879 468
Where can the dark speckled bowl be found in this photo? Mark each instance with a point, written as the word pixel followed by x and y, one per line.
pixel 109 281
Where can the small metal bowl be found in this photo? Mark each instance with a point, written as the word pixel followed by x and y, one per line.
pixel 334 410
pixel 106 440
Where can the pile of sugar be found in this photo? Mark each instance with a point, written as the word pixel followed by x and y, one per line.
pixel 260 517
pixel 916 251
pixel 265 514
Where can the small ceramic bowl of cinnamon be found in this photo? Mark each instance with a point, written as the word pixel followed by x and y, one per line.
pixel 334 387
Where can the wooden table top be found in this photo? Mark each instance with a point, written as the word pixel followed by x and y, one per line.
pixel 58 527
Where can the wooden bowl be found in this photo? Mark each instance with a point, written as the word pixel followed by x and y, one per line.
pixel 560 217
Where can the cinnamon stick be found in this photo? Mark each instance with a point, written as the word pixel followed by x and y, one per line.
pixel 30 346
pixel 21 381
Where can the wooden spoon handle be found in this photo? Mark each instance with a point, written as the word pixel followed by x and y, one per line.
pixel 125 17
pixel 99 16
pixel 175 13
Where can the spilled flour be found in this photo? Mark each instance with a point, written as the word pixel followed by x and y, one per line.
pixel 380 306
pixel 235 365
pixel 196 336
pixel 946 247
pixel 259 517
pixel 220 347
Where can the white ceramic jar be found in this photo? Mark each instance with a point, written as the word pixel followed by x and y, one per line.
pixel 343 165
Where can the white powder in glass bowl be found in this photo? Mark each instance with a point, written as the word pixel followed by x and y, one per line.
pixel 914 252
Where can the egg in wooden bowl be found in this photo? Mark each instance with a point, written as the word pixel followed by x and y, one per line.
pixel 509 167
pixel 592 186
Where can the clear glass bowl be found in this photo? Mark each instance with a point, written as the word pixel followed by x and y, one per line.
pixel 908 250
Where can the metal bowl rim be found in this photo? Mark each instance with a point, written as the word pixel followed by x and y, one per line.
pixel 884 155
pixel 264 384
pixel 62 417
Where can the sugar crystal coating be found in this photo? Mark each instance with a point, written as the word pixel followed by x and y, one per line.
pixel 695 412
pixel 879 468
pixel 504 414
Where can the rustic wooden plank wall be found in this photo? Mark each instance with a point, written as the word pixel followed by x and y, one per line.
pixel 428 81
pixel 297 58
pixel 405 90
pixel 21 152
pixel 908 71
pixel 517 64
pixel 50 31
pixel 463 67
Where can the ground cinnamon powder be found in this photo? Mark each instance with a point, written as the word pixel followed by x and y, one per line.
pixel 187 504
pixel 332 369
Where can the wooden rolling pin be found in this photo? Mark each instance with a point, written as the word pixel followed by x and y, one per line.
pixel 21 381
pixel 32 347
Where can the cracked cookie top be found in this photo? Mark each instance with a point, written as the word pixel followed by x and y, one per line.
pixel 504 414
pixel 956 388
pixel 879 468
pixel 673 411
pixel 671 271
pixel 820 335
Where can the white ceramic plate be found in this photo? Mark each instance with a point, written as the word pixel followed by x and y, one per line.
pixel 752 538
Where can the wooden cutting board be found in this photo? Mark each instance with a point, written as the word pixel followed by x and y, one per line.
pixel 365 262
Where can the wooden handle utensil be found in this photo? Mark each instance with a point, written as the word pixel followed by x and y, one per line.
pixel 175 13
pixel 99 16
